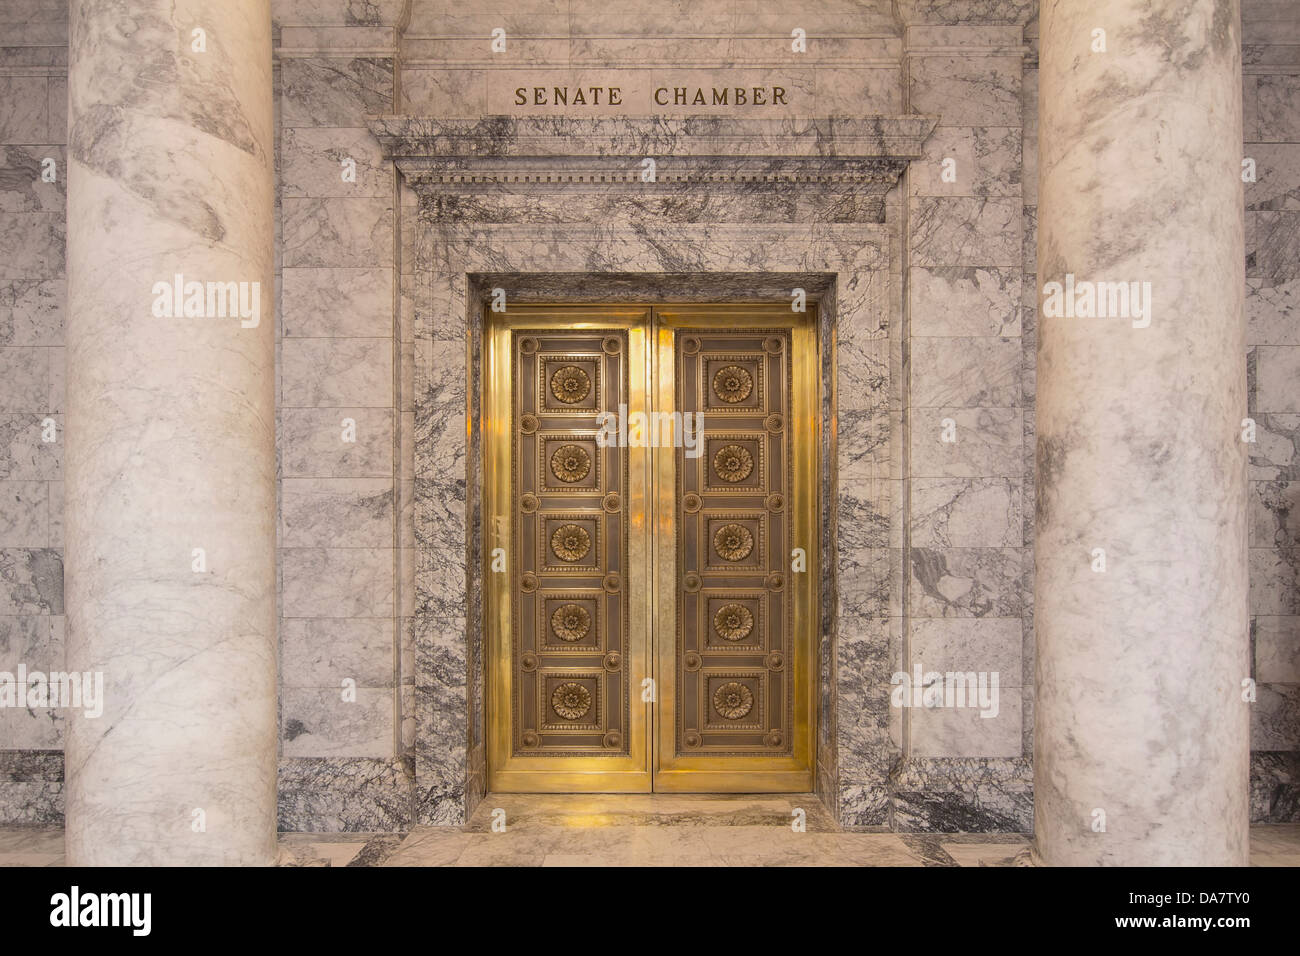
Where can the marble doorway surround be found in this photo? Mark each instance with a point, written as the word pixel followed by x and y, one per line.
pixel 561 209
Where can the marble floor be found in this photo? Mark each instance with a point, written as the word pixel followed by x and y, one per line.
pixel 646 830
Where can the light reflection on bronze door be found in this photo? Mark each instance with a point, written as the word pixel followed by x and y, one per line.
pixel 646 630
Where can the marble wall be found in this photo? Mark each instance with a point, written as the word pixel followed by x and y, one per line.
pixel 968 422
pixel 344 428
pixel 33 291
pixel 1271 128
pixel 936 549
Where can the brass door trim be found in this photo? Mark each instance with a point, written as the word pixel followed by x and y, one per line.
pixel 652 761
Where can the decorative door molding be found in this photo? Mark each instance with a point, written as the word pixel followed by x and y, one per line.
pixel 787 170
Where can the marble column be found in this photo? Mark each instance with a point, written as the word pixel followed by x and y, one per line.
pixel 170 492
pixel 1141 734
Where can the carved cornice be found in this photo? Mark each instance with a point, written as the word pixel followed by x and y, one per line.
pixel 831 169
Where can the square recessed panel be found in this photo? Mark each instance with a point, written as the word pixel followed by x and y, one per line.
pixel 734 463
pixel 732 383
pixel 734 621
pixel 570 622
pixel 735 542
pixel 570 700
pixel 569 463
pixel 734 700
pixel 569 383
pixel 570 542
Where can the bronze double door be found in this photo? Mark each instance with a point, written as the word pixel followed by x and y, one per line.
pixel 650 547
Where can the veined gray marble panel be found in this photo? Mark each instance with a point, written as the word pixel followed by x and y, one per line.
pixel 24 455
pixel 965 231
pixel 1029 245
pixel 337 302
pixel 444 92
pixel 335 722
pixel 1272 313
pixel 315 159
pixel 337 582
pixel 32 728
pixel 324 512
pixel 1276 451
pixel 22 185
pixel 954 732
pixel 986 161
pixel 966 11
pixel 337 232
pixel 34 640
pixel 1275 581
pixel 984 644
pixel 965 301
pixel 1277 649
pixel 966 512
pixel 334 91
pixel 31 311
pixel 323 652
pixel 1275 718
pixel 1277 104
pixel 1274 787
pixel 31 788
pixel 334 442
pixel 23 109
pixel 986 442
pixel 24 514
pixel 32 246
pixel 332 372
pixel 31 581
pixel 986 583
pixel 963 795
pixel 350 795
pixel 966 372
pixel 1274 514
pixel 1278 369
pixel 1277 176
pixel 1273 246
pixel 968 90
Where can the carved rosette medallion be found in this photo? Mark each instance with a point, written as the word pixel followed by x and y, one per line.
pixel 732 384
pixel 570 463
pixel 734 542
pixel 733 622
pixel 570 542
pixel 571 701
pixel 571 623
pixel 733 463
pixel 570 384
pixel 733 700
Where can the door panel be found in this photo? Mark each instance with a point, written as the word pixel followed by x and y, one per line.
pixel 647 631
pixel 569 645
pixel 736 699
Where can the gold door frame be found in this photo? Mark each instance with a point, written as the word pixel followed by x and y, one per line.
pixel 653 576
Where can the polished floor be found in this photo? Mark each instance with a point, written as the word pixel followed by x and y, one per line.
pixel 649 830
